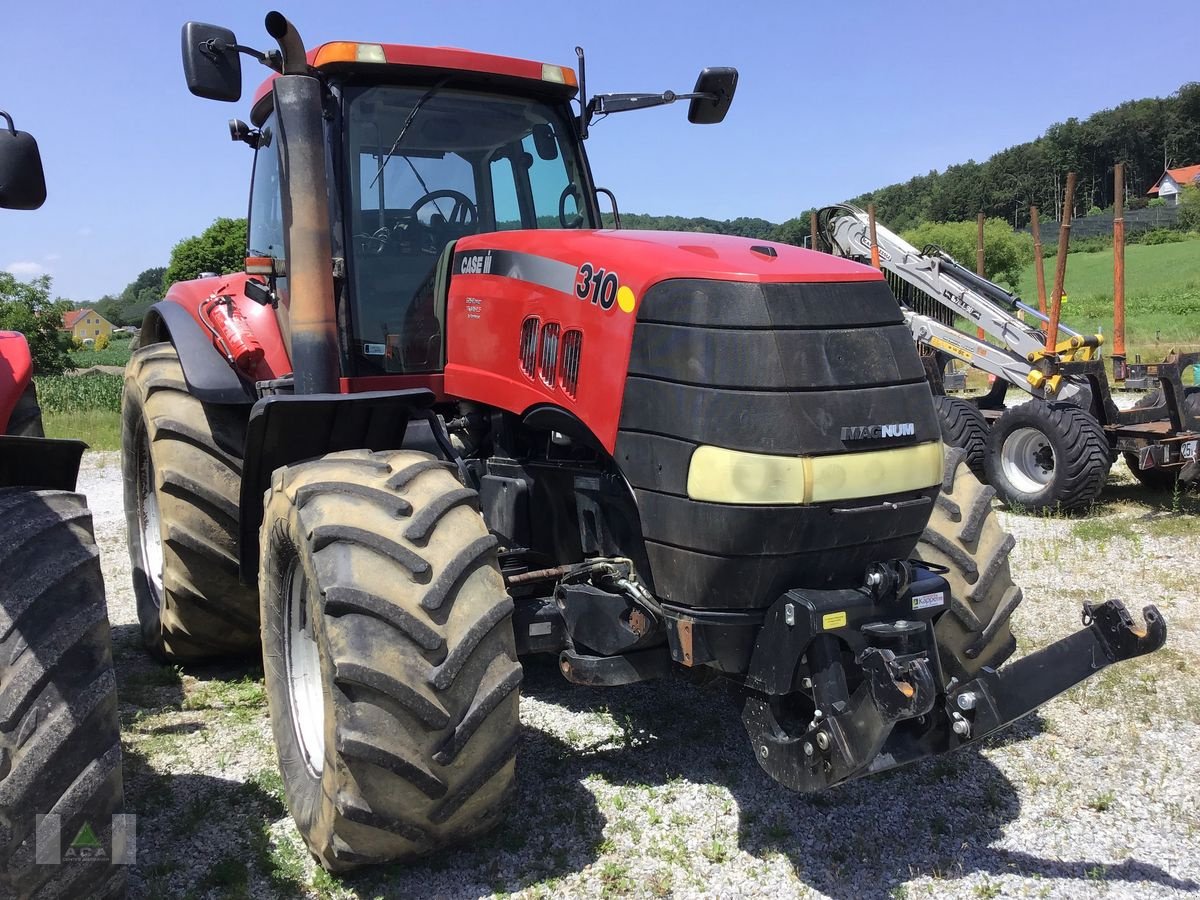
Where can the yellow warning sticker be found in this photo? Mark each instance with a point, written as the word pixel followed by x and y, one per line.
pixel 830 621
pixel 952 349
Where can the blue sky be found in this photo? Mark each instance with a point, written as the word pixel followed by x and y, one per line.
pixel 834 99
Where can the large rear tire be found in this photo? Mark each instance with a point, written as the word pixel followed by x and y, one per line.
pixel 1047 456
pixel 964 426
pixel 389 655
pixel 1161 479
pixel 60 750
pixel 965 536
pixel 26 417
pixel 182 467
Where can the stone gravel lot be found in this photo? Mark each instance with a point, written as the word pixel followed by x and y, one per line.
pixel 652 790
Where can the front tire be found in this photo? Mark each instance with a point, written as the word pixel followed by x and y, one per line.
pixel 389 656
pixel 1048 456
pixel 965 536
pixel 182 466
pixel 60 750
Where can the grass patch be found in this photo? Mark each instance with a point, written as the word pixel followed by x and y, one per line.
pixel 1102 530
pixel 243 693
pixel 99 429
pixel 1174 526
pixel 230 875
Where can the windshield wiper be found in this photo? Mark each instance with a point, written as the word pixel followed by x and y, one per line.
pixel 404 128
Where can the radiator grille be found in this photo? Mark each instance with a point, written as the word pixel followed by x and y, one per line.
pixel 572 346
pixel 548 366
pixel 529 333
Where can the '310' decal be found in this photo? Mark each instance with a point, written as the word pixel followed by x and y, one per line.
pixel 597 285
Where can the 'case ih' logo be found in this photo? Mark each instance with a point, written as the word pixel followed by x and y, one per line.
pixel 877 432
pixel 479 264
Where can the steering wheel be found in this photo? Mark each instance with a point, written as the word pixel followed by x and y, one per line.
pixel 577 219
pixel 464 213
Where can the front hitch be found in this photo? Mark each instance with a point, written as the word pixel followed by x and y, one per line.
pixel 1109 635
pixel 894 716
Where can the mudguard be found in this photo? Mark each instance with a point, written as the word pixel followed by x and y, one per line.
pixel 209 376
pixel 16 370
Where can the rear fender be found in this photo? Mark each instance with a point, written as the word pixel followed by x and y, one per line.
pixel 16 370
pixel 285 429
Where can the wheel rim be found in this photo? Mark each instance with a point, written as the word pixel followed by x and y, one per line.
pixel 1027 460
pixel 304 685
pixel 149 522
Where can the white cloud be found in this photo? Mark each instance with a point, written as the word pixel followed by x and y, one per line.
pixel 25 269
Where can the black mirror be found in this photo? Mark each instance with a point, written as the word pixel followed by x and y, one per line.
pixel 22 181
pixel 211 63
pixel 720 83
pixel 544 142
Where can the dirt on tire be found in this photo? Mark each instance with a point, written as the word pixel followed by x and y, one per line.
pixel 420 680
pixel 189 454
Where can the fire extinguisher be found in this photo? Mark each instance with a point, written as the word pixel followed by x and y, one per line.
pixel 232 332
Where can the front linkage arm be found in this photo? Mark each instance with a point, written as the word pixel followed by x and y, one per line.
pixel 1109 635
pixel 896 715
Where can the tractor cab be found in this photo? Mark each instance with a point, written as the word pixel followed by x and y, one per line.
pixel 423 159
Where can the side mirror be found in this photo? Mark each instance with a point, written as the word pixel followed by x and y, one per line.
pixel 211 63
pixel 22 181
pixel 544 142
pixel 719 83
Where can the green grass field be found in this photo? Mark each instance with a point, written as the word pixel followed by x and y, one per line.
pixel 100 429
pixel 1162 295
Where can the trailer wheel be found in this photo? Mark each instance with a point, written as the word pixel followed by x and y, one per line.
pixel 965 536
pixel 60 750
pixel 389 656
pixel 1047 456
pixel 26 417
pixel 1161 479
pixel 182 466
pixel 964 426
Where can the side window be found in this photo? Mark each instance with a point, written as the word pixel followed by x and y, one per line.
pixel 504 195
pixel 549 181
pixel 266 210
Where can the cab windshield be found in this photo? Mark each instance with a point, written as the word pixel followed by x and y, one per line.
pixel 428 166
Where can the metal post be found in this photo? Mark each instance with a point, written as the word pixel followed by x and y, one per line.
pixel 979 257
pixel 1039 268
pixel 1118 350
pixel 874 243
pixel 1060 265
pixel 813 241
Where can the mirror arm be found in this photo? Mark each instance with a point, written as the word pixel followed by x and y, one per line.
pixel 12 129
pixel 585 106
pixel 272 59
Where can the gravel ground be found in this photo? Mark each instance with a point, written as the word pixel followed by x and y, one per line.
pixel 653 789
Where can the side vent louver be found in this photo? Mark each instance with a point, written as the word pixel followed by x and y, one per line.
pixel 572 346
pixel 548 366
pixel 529 333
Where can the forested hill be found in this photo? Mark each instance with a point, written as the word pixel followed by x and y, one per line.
pixel 1141 133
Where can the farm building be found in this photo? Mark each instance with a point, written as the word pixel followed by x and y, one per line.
pixel 1173 181
pixel 86 324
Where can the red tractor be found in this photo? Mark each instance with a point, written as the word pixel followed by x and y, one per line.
pixel 60 751
pixel 445 419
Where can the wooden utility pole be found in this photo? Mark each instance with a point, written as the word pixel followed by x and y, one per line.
pixel 1118 350
pixel 979 257
pixel 1060 266
pixel 874 243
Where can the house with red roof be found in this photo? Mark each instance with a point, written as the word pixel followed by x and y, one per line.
pixel 1173 182
pixel 86 324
